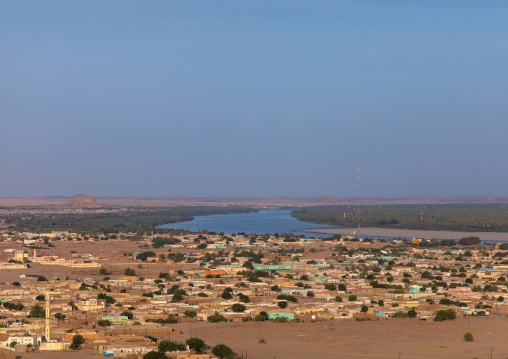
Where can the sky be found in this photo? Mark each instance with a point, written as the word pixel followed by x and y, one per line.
pixel 253 98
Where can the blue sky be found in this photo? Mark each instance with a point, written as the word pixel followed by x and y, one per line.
pixel 253 98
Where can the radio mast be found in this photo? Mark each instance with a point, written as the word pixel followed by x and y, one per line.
pixel 358 203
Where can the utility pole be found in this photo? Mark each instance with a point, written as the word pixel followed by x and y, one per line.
pixel 47 318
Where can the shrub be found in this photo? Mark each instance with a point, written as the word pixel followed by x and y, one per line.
pixel 468 337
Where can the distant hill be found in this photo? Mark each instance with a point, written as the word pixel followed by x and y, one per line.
pixel 82 201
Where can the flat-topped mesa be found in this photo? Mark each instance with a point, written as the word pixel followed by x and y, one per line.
pixel 82 201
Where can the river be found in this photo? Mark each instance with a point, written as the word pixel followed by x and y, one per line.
pixel 265 221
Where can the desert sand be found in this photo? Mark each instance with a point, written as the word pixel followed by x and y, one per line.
pixel 344 339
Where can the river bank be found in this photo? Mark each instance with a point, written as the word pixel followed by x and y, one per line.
pixel 411 233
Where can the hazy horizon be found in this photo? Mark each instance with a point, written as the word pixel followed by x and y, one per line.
pixel 253 99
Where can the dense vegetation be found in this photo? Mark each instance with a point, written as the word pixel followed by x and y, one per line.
pixel 119 218
pixel 466 217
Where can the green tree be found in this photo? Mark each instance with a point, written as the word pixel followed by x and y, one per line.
pixel 330 286
pixel 37 312
pixel 190 314
pixel 411 313
pixel 445 315
pixel 169 346
pixel 238 308
pixel 261 317
pixel 103 323
pixel 216 318
pixel 283 304
pixel 177 297
pixel 468 241
pixel 155 355
pixel 287 297
pixel 60 316
pixel 145 255
pixel 77 340
pixel 40 298
pixel 129 272
pixel 127 314
pixel 226 295
pixel 196 344
pixel 222 351
pixel 364 309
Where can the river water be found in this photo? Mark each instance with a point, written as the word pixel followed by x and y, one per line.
pixel 265 221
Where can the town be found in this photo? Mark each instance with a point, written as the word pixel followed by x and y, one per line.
pixel 163 293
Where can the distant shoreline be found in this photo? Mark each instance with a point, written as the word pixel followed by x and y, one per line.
pixel 410 233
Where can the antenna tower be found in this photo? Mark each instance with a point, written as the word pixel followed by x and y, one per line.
pixel 358 203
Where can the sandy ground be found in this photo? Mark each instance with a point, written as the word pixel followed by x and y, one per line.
pixel 346 339
pixel 411 233
pixel 379 339
pixel 75 354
